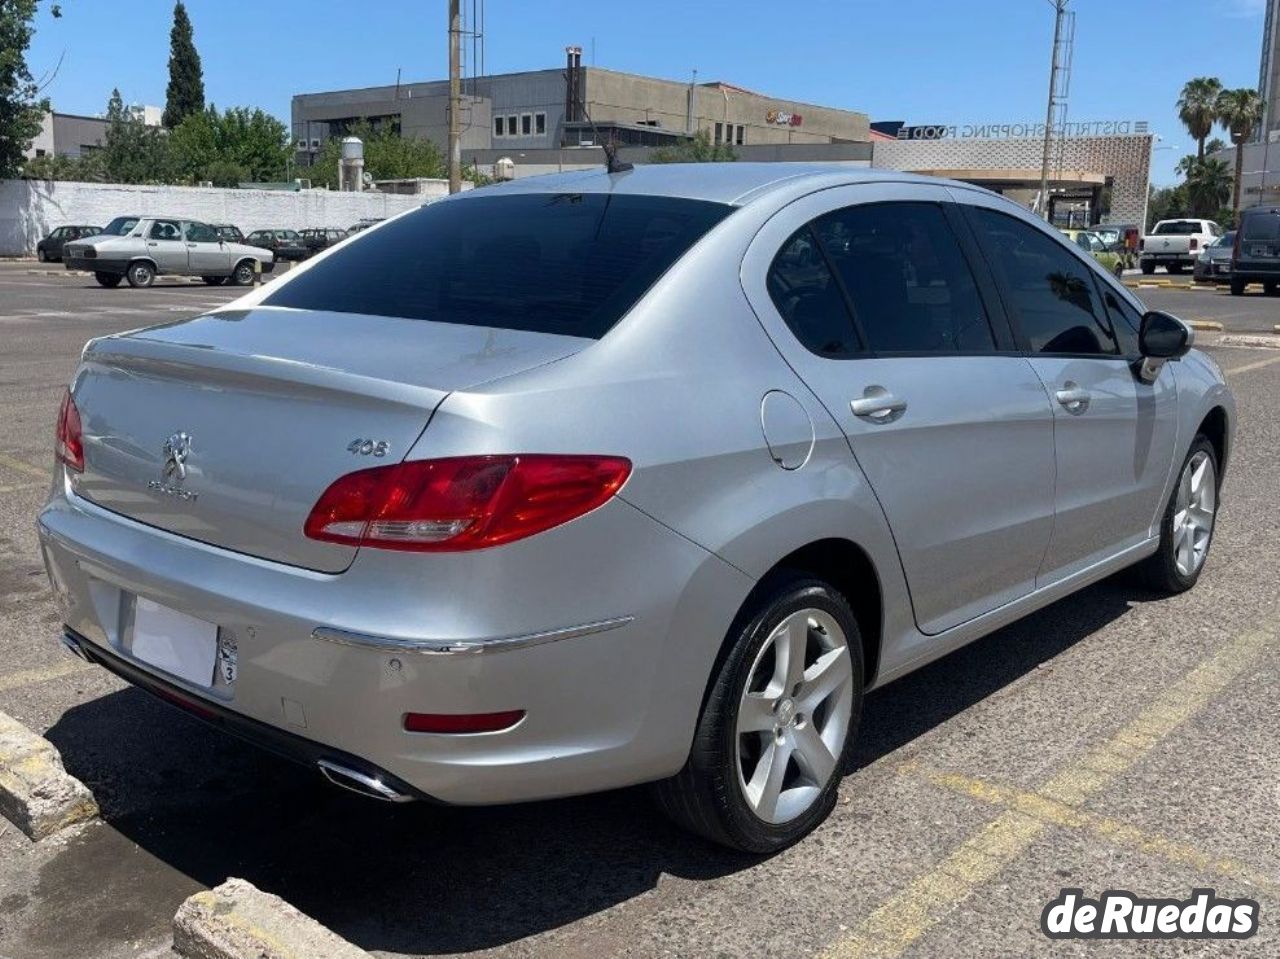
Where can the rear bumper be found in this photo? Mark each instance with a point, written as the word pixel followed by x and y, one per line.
pixel 604 707
pixel 1254 271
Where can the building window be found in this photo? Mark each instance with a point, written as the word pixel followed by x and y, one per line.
pixel 40 153
pixel 526 124
pixel 719 132
pixel 497 126
pixel 741 137
pixel 511 125
pixel 540 123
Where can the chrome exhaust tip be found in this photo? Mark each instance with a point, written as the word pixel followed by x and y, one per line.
pixel 359 782
pixel 73 647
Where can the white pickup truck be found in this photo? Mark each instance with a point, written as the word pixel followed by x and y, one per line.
pixel 1175 244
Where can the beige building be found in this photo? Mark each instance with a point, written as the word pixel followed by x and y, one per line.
pixel 541 118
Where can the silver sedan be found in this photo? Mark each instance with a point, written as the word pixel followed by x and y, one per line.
pixel 648 477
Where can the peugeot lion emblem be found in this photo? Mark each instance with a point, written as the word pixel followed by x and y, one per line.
pixel 176 449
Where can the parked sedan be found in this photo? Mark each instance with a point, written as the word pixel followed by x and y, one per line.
pixel 317 240
pixel 1213 265
pixel 490 505
pixel 141 248
pixel 285 244
pixel 49 249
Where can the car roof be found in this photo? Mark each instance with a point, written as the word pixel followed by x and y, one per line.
pixel 732 183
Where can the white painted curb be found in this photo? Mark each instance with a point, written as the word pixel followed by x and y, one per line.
pixel 236 920
pixel 37 794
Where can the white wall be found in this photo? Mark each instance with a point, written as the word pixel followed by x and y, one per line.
pixel 29 209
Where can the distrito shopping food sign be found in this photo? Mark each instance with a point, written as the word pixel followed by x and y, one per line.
pixel 783 118
pixel 1015 131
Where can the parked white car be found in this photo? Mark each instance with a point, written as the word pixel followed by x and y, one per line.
pixel 1175 244
pixel 140 248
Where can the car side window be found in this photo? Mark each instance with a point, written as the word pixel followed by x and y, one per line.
pixel 809 299
pixel 165 230
pixel 907 279
pixel 199 233
pixel 1125 320
pixel 1051 292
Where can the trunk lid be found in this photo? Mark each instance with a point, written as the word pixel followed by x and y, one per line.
pixel 271 401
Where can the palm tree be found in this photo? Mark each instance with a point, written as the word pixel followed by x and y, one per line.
pixel 1240 112
pixel 1197 109
pixel 1208 186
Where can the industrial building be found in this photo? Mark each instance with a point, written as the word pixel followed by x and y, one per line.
pixel 542 119
pixel 72 135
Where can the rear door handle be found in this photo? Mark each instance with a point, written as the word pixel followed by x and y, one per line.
pixel 1074 399
pixel 878 405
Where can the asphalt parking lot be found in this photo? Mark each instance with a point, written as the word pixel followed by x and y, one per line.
pixel 1115 740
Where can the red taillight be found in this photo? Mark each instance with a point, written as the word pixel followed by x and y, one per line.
pixel 461 722
pixel 463 503
pixel 1195 244
pixel 69 444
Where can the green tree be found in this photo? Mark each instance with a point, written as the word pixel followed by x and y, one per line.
pixel 698 149
pixel 1197 109
pixel 1239 112
pixel 1166 203
pixel 1208 186
pixel 21 112
pixel 134 152
pixel 387 156
pixel 185 94
pixel 228 148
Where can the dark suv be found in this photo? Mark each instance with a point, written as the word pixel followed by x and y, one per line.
pixel 1257 253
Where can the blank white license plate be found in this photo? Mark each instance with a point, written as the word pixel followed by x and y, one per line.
pixel 181 645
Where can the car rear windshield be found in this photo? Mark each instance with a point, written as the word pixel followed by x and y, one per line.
pixel 1261 226
pixel 563 263
pixel 120 226
pixel 1178 228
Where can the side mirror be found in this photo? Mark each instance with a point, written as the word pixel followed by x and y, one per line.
pixel 1164 337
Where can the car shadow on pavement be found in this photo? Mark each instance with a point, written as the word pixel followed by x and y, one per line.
pixel 425 879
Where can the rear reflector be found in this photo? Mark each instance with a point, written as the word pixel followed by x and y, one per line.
pixel 463 503
pixel 461 722
pixel 69 443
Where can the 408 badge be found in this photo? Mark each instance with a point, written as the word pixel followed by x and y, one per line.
pixel 1119 914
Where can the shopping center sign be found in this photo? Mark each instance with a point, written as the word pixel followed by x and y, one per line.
pixel 782 118
pixel 1014 131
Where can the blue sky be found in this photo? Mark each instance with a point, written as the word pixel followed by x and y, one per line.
pixel 923 61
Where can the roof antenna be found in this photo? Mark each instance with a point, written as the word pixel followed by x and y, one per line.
pixel 611 162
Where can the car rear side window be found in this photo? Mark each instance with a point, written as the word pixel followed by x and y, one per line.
pixel 809 299
pixel 1260 226
pixel 1052 292
pixel 562 263
pixel 906 278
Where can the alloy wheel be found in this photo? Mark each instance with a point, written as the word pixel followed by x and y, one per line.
pixel 1195 506
pixel 793 715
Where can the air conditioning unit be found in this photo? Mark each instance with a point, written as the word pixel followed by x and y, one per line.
pixel 315 143
pixel 302 144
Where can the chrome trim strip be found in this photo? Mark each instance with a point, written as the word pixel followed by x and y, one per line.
pixel 450 647
pixel 360 783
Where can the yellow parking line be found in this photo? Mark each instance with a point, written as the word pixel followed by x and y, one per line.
pixel 14 463
pixel 29 677
pixel 1252 366
pixel 1055 813
pixel 899 922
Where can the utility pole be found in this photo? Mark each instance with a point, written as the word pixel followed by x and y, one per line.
pixel 455 97
pixel 1060 8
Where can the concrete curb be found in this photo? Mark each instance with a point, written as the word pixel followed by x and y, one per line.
pixel 37 794
pixel 236 920
pixel 1267 341
pixel 1206 326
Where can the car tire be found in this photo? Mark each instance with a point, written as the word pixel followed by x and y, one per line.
pixel 1118 270
pixel 735 788
pixel 214 280
pixel 1175 269
pixel 41 255
pixel 1148 268
pixel 1188 523
pixel 140 274
pixel 243 273
pixel 1237 287
pixel 109 280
